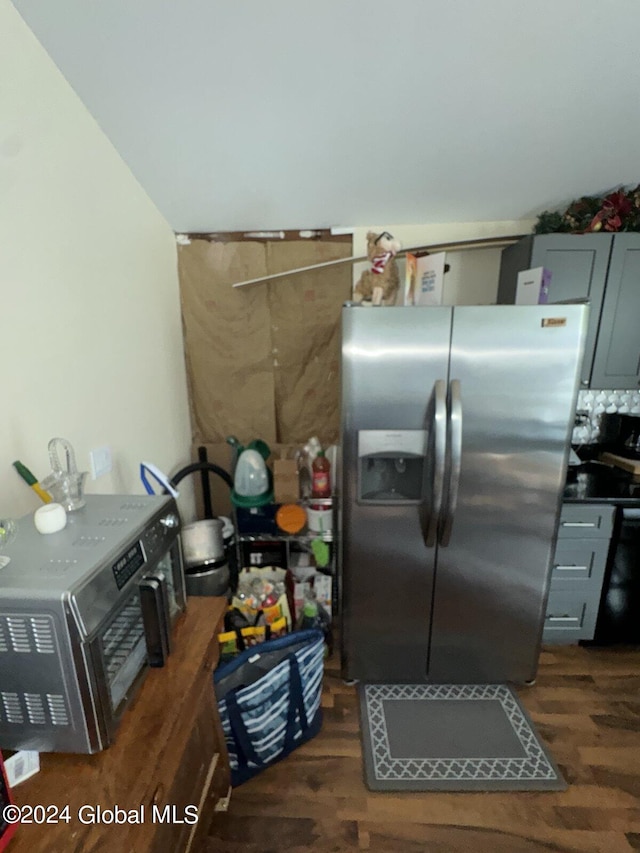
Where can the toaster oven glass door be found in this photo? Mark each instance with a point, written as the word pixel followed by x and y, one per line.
pixel 124 650
pixel 125 645
pixel 120 651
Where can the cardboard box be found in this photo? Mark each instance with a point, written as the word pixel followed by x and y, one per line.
pixel 223 455
pixel 424 279
pixel 322 586
pixel 286 486
pixel 532 286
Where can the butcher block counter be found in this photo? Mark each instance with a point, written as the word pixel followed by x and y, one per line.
pixel 158 786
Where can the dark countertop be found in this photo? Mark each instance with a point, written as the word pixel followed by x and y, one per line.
pixel 595 482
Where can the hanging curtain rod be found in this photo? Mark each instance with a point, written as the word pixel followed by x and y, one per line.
pixel 483 243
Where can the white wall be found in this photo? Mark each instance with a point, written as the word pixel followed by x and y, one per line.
pixel 285 114
pixel 90 328
pixel 473 275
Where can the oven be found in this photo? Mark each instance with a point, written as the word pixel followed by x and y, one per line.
pixel 83 614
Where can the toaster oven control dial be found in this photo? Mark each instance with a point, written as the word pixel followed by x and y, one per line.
pixel 170 521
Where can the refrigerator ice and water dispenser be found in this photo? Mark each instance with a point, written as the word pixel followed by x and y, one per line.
pixel 391 466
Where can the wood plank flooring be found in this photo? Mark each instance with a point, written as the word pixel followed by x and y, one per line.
pixel 586 707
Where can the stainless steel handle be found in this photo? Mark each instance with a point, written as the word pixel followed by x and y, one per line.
pixel 439 427
pixel 567 618
pixel 154 619
pixel 559 568
pixel 455 458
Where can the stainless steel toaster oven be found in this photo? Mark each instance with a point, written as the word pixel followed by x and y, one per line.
pixel 83 613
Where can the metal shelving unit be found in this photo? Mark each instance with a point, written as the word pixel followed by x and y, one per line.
pixel 304 538
pixel 294 543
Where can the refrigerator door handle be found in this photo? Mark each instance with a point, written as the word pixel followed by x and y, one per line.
pixel 455 449
pixel 439 427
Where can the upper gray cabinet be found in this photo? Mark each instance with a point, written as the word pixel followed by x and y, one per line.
pixel 603 268
pixel 617 357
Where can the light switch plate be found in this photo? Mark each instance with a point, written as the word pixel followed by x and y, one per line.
pixel 101 462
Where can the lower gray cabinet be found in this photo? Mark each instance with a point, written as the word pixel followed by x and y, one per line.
pixel 571 616
pixel 579 563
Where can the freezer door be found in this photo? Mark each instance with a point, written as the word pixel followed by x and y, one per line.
pixel 517 371
pixel 394 360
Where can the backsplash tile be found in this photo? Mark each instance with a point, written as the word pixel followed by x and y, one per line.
pixel 594 403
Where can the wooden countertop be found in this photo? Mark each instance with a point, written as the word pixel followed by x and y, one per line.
pixel 138 769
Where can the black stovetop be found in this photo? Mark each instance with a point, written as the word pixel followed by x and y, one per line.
pixel 595 482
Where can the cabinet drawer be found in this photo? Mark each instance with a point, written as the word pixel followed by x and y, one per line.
pixel 579 561
pixel 189 785
pixel 570 618
pixel 582 521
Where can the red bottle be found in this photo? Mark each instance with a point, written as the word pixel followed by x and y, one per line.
pixel 321 476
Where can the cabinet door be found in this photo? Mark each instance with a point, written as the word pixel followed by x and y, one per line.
pixel 617 357
pixel 190 785
pixel 578 265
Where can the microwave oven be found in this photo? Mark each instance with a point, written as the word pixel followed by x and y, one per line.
pixel 83 613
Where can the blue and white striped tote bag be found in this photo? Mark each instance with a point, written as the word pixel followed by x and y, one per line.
pixel 269 700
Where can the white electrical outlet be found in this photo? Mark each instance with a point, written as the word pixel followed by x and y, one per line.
pixel 101 463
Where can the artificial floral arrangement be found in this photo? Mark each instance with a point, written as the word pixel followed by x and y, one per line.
pixel 617 211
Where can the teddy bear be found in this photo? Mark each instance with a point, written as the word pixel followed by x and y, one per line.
pixel 379 284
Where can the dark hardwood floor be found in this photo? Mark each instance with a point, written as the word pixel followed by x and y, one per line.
pixel 586 707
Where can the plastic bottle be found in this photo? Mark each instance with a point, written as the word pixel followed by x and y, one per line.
pixel 321 476
pixel 315 616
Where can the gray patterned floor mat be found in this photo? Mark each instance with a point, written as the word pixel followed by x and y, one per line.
pixel 451 737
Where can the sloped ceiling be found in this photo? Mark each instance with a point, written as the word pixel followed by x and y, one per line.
pixel 265 114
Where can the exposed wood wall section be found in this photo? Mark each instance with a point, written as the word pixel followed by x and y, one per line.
pixel 586 707
pixel 263 361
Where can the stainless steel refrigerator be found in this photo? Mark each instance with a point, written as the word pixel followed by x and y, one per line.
pixel 456 426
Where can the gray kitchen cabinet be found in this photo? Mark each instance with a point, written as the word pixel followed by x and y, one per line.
pixel 617 355
pixel 579 264
pixel 579 563
pixel 586 521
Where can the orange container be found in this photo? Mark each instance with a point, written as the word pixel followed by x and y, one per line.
pixel 291 518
